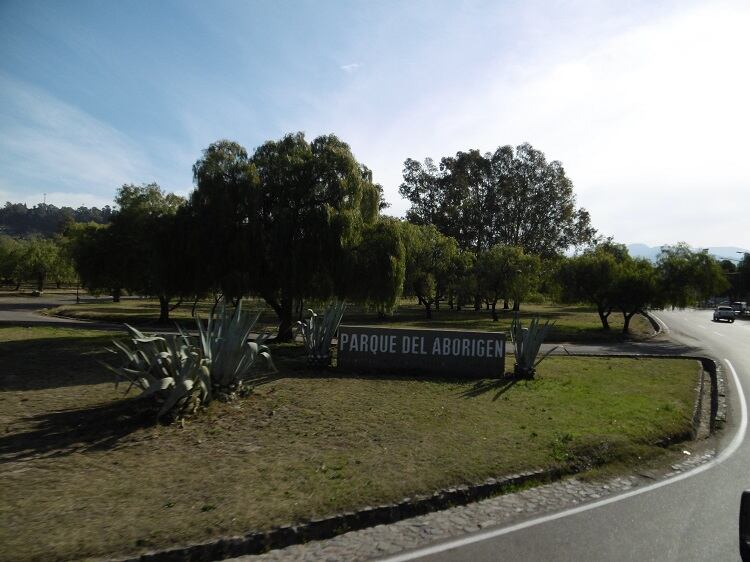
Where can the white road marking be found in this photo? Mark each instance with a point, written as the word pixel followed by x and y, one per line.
pixel 482 536
pixel 718 333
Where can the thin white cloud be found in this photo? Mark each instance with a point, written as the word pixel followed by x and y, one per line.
pixel 350 68
pixel 46 142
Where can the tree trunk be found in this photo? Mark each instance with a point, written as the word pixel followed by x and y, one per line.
pixel 604 317
pixel 477 302
pixel 494 311
pixel 505 304
pixel 450 301
pixel 516 306
pixel 285 312
pixel 40 282
pixel 437 305
pixel 116 294
pixel 428 310
pixel 18 286
pixel 163 309
pixel 627 318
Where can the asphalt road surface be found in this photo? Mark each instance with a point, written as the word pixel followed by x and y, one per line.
pixel 23 311
pixel 693 516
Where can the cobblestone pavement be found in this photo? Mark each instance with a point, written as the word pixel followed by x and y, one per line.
pixel 384 540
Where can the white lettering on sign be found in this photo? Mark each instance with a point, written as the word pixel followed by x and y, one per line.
pixel 464 347
pixel 416 345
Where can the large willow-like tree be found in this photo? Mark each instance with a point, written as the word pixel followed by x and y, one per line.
pixel 282 220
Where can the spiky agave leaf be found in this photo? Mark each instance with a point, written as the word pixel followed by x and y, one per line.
pixel 527 342
pixel 318 331
pixel 225 345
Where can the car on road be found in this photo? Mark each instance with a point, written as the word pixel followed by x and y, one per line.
pixel 724 312
pixel 739 307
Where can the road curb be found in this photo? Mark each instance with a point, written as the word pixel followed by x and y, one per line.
pixel 655 324
pixel 329 527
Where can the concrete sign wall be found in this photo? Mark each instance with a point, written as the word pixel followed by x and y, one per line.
pixel 421 352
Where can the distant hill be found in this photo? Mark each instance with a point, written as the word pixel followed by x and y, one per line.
pixel 719 252
pixel 17 219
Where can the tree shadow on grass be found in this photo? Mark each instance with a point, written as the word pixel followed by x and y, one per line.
pixel 54 363
pixel 58 434
pixel 498 386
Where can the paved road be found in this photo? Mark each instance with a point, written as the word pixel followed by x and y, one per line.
pixel 691 517
pixel 23 311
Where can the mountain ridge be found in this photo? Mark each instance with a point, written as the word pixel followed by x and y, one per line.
pixel 734 253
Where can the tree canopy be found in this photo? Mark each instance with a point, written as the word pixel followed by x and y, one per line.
pixel 432 261
pixel 506 272
pixel 512 196
pixel 290 213
pixel 590 277
pixel 687 276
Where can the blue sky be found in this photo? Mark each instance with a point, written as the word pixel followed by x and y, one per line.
pixel 645 103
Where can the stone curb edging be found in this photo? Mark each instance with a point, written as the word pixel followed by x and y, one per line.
pixel 718 397
pixel 654 324
pixel 329 527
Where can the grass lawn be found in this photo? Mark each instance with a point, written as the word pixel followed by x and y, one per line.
pixel 84 473
pixel 572 323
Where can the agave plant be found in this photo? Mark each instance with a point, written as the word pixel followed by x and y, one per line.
pixel 225 347
pixel 318 331
pixel 526 345
pixel 167 368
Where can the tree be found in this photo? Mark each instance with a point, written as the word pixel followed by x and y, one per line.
pixel 142 250
pixel 221 209
pixel 423 188
pixel 463 288
pixel 743 277
pixel 289 215
pixel 431 264
pixel 145 228
pixel 506 272
pixel 11 259
pixel 512 197
pixel 378 266
pixel 687 276
pixel 539 210
pixel 312 202
pixel 40 260
pixel 590 277
pixel 97 257
pixel 635 288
